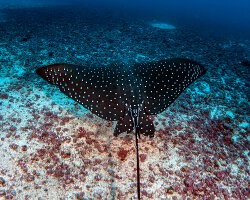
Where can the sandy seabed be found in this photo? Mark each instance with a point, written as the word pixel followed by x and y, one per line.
pixel 53 148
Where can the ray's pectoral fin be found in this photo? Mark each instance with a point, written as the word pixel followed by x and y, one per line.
pixel 124 125
pixel 146 125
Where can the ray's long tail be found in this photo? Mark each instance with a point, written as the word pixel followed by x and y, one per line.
pixel 138 163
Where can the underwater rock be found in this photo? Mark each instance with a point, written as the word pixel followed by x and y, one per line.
pixel 51 54
pixel 246 63
pixel 26 38
pixel 2 181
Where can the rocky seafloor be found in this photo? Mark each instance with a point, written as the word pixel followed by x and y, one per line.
pixel 53 148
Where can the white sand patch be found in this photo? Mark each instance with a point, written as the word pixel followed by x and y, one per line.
pixel 162 25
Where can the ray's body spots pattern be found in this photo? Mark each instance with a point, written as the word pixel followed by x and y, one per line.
pixel 125 93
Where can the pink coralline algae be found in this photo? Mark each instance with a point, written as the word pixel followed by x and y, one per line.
pixel 143 157
pixel 122 154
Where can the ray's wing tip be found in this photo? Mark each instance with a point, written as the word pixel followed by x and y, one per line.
pixel 41 69
pixel 203 69
pixel 201 66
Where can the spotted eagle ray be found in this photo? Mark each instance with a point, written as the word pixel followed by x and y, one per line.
pixel 126 94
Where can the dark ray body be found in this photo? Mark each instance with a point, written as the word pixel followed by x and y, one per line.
pixel 126 94
pixel 114 92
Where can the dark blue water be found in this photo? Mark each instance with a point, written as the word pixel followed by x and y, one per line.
pixel 229 16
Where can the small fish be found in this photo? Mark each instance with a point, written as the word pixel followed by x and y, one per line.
pixel 126 94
